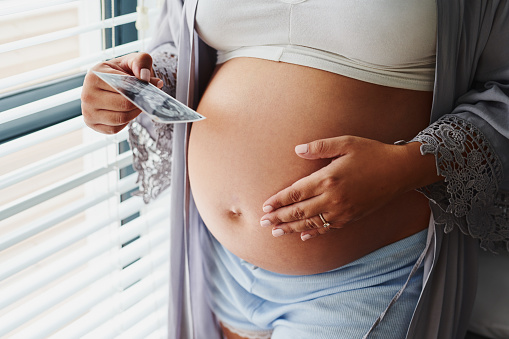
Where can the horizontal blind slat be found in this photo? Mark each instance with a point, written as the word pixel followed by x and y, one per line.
pixel 106 317
pixel 161 332
pixel 40 136
pixel 62 214
pixel 81 303
pixel 15 7
pixel 40 105
pixel 64 265
pixel 151 321
pixel 77 63
pixel 51 162
pixel 25 232
pixel 32 256
pixel 68 32
pixel 61 187
pixel 131 316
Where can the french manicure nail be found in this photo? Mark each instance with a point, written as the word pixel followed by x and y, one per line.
pixel 265 223
pixel 305 237
pixel 301 149
pixel 278 232
pixel 268 208
pixel 145 74
pixel 160 84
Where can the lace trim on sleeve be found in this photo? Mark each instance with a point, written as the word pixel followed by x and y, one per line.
pixel 151 159
pixel 469 197
pixel 165 67
pixel 151 142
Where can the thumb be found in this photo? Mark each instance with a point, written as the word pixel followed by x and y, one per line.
pixel 321 149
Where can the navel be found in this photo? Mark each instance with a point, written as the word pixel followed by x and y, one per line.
pixel 234 213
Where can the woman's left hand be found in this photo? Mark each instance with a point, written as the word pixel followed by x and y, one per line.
pixel 363 175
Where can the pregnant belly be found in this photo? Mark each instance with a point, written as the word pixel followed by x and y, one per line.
pixel 257 111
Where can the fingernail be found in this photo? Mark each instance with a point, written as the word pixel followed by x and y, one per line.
pixel 268 208
pixel 265 223
pixel 301 149
pixel 145 74
pixel 278 232
pixel 305 237
pixel 160 84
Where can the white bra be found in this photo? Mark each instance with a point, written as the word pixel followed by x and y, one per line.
pixel 386 42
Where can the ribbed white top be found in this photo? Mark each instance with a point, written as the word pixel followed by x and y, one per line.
pixel 386 42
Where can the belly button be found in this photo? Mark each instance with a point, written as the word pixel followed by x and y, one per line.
pixel 234 213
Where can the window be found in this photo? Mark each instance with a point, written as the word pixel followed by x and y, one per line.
pixel 80 256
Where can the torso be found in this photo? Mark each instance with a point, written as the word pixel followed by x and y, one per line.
pixel 257 111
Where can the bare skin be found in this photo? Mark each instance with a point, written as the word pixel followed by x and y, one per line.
pixel 229 334
pixel 243 153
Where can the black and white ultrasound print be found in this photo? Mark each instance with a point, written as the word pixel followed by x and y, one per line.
pixel 157 104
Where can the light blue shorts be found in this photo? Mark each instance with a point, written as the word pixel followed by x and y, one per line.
pixel 342 303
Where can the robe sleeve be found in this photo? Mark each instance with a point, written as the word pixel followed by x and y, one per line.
pixel 471 148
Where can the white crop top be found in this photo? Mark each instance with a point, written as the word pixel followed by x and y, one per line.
pixel 386 42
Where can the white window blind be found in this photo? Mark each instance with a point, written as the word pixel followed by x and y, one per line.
pixel 80 256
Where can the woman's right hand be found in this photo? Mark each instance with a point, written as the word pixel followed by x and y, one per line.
pixel 104 109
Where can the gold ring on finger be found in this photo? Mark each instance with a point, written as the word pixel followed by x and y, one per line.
pixel 325 222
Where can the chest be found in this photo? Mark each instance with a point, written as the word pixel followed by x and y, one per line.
pixel 382 32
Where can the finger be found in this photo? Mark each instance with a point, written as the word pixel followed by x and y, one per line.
pixel 298 211
pixel 299 226
pixel 107 108
pixel 157 82
pixel 111 118
pixel 93 86
pixel 309 234
pixel 324 148
pixel 302 189
pixel 106 129
pixel 138 64
pixel 306 235
pixel 313 225
pixel 107 100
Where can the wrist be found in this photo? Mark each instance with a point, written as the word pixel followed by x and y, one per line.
pixel 418 170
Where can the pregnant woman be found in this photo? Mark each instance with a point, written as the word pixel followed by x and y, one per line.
pixel 294 204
